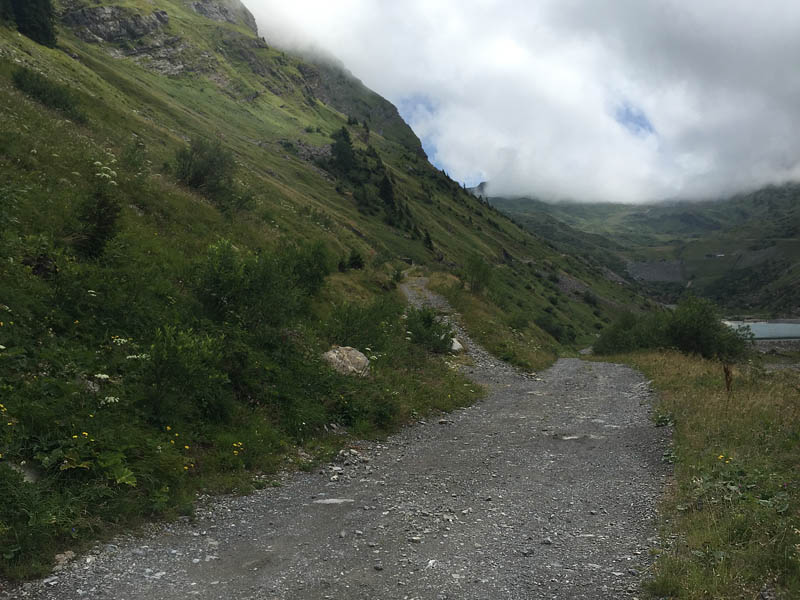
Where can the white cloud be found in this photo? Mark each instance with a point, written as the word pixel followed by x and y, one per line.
pixel 528 94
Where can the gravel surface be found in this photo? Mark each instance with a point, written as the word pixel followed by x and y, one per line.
pixel 545 489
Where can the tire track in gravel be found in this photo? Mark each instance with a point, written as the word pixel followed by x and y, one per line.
pixel 545 489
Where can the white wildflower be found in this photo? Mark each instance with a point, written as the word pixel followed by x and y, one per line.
pixel 142 356
pixel 92 293
pixel 109 400
pixel 2 347
pixel 101 376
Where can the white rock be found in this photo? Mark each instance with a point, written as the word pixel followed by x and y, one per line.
pixel 456 346
pixel 347 361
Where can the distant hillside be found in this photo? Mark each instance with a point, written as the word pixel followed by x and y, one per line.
pixel 744 252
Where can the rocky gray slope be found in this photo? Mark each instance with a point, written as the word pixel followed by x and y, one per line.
pixel 546 489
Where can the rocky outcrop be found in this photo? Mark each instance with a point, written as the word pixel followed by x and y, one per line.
pixel 226 11
pixel 347 361
pixel 113 23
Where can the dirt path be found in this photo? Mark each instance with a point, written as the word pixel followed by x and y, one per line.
pixel 546 489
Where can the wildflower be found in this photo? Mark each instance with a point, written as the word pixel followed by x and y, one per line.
pixel 91 416
pixel 169 428
pixel 1 455
pixel 84 434
pixel 2 347
pixel 185 468
pixel 172 442
pixel 92 293
pixel 185 447
pixel 102 376
pixel 74 437
pixel 236 453
pixel 76 321
pixel 720 457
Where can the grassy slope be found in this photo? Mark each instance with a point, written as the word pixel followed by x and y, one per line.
pixel 104 450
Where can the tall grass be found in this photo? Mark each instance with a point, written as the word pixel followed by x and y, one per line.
pixel 51 94
pixel 732 521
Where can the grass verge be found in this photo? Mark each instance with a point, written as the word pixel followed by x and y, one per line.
pixel 732 520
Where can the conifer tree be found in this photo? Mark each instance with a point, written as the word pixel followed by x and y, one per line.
pixel 35 19
pixel 6 11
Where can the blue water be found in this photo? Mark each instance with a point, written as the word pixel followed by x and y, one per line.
pixel 764 330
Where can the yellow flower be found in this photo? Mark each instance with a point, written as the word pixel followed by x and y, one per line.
pixel 186 447
pixel 76 321
pixel 185 468
pixel 91 416
pixel 84 434
pixel 169 428
pixel 720 457
pixel 172 441
pixel 176 435
pixel 236 452
pixel 74 437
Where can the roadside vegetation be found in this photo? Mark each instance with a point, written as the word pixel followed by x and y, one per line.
pixel 731 522
pixel 694 327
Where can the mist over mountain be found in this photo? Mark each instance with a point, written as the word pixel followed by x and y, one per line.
pixel 567 100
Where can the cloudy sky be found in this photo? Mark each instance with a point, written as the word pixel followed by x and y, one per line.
pixel 618 100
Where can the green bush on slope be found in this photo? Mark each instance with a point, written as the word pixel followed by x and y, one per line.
pixel 694 327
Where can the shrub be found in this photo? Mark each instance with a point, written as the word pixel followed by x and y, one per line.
pixel 364 325
pixel 694 327
pixel 425 329
pixel 98 220
pixel 477 273
pixel 549 324
pixel 209 168
pixel 185 381
pixel 53 95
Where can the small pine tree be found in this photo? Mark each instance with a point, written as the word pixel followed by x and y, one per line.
pixel 35 19
pixel 6 11
pixel 386 192
pixel 344 158
pixel 428 241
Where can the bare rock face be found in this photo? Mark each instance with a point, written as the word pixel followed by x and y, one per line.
pixel 347 361
pixel 113 23
pixel 230 11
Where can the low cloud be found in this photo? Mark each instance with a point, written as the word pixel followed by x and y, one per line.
pixel 620 101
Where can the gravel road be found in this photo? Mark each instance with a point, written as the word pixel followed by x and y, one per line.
pixel 545 489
